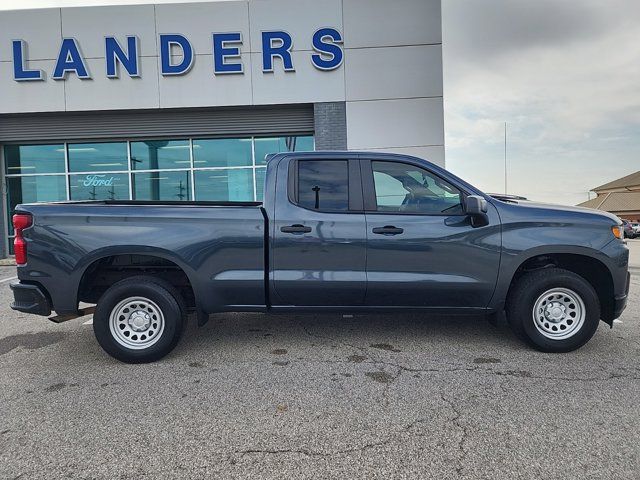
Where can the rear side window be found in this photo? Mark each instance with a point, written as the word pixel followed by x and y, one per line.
pixel 323 185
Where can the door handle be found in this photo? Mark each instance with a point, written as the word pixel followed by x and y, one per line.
pixel 388 230
pixel 297 228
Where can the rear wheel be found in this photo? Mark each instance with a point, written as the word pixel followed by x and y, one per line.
pixel 554 310
pixel 139 319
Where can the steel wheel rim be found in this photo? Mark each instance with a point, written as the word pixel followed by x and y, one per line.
pixel 136 323
pixel 559 313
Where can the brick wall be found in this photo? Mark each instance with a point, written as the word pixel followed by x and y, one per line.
pixel 330 123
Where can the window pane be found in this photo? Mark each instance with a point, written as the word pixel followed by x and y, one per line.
pixel 99 186
pixel 155 154
pixel 34 159
pixel 261 174
pixel 264 146
pixel 31 189
pixel 323 185
pixel 404 188
pixel 224 152
pixel 169 186
pixel 233 185
pixel 97 157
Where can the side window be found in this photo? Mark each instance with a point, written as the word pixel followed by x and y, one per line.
pixel 323 185
pixel 404 188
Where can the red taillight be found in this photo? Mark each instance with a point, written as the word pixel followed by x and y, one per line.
pixel 20 222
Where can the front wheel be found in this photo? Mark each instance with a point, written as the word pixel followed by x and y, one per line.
pixel 553 309
pixel 139 319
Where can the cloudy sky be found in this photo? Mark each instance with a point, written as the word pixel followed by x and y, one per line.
pixel 563 74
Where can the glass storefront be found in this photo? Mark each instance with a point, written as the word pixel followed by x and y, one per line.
pixel 214 169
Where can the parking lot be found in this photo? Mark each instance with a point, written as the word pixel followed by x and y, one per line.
pixel 306 396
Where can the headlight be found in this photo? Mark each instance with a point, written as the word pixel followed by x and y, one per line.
pixel 618 231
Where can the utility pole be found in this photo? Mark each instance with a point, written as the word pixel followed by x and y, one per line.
pixel 505 158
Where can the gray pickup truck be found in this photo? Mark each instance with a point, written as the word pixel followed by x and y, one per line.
pixel 337 232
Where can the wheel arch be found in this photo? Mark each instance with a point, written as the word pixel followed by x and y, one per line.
pixel 581 261
pixel 142 265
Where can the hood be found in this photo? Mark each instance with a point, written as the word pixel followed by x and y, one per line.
pixel 564 209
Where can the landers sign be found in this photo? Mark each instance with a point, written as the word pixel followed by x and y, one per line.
pixel 177 55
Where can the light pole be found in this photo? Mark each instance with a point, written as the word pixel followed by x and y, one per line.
pixel 505 158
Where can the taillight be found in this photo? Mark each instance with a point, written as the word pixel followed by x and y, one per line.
pixel 20 222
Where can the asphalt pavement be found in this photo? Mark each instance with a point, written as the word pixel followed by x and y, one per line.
pixel 320 396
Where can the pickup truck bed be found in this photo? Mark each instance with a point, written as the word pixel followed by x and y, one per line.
pixel 219 246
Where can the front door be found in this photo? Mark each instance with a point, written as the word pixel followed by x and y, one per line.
pixel 422 250
pixel 318 253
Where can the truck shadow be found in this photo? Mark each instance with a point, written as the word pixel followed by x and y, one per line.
pixel 390 332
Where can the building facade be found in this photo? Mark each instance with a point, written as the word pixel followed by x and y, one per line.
pixel 183 101
pixel 620 197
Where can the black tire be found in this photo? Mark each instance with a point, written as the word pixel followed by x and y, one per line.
pixel 531 286
pixel 157 293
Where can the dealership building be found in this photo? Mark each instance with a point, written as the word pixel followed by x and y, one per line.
pixel 183 101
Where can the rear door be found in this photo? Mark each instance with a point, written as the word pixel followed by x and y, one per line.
pixel 318 251
pixel 422 250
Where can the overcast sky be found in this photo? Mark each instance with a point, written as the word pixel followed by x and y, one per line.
pixel 563 74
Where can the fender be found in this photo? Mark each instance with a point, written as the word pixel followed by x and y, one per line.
pixel 100 253
pixel 511 262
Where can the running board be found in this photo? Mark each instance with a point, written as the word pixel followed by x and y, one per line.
pixel 70 316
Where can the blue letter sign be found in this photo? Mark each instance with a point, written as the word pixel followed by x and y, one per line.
pixel 326 42
pixel 276 44
pixel 166 44
pixel 114 55
pixel 20 72
pixel 221 52
pixel 70 60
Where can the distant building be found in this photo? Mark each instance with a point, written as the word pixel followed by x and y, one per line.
pixel 620 197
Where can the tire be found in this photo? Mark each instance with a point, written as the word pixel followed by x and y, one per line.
pixel 139 319
pixel 566 305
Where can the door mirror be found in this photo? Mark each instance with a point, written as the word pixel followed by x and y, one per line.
pixel 475 205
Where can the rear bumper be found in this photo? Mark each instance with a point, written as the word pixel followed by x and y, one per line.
pixel 30 299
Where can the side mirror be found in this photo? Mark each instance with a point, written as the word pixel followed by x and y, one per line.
pixel 475 205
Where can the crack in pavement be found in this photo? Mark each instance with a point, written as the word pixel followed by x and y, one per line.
pixel 314 453
pixel 464 433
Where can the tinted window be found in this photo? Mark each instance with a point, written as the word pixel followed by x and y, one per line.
pixel 222 152
pixel 93 186
pixel 323 184
pixel 403 188
pixel 265 146
pixel 98 157
pixel 155 154
pixel 261 174
pixel 21 159
pixel 161 186
pixel 225 185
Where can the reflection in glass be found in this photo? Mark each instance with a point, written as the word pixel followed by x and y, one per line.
pixel 110 186
pixel 404 188
pixel 260 178
pixel 265 146
pixel 160 154
pixel 24 159
pixel 222 152
pixel 46 188
pixel 169 186
pixel 97 157
pixel 323 184
pixel 232 185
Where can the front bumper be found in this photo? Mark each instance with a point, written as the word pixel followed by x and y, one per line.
pixel 620 301
pixel 30 298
